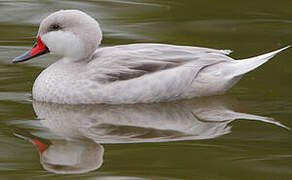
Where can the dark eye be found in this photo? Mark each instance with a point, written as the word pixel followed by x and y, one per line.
pixel 55 27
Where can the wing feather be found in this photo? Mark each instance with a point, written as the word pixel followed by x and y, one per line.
pixel 126 62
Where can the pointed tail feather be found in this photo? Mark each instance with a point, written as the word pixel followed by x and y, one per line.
pixel 245 65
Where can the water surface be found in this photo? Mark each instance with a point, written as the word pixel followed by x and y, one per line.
pixel 243 135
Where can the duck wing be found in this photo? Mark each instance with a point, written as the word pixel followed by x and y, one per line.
pixel 144 73
pixel 127 62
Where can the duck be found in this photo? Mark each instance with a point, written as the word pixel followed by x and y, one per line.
pixel 126 74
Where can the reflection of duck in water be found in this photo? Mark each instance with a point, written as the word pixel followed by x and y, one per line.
pixel 82 127
pixel 67 157
pixel 186 120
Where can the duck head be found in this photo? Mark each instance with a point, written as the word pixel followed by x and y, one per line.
pixel 69 33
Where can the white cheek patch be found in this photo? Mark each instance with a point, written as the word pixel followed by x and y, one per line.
pixel 64 43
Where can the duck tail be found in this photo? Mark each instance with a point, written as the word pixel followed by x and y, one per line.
pixel 249 64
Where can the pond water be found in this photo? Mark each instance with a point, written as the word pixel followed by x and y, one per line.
pixel 242 135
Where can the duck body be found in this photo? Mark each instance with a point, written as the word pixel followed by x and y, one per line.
pixel 135 73
pixel 127 74
pixel 138 73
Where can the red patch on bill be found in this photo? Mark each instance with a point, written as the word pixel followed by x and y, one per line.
pixel 38 48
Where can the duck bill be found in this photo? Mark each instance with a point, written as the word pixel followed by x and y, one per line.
pixel 38 49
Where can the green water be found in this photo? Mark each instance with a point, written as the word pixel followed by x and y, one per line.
pixel 238 136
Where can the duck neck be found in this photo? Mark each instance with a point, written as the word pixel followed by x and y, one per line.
pixel 76 59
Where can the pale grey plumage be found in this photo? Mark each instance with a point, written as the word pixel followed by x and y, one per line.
pixel 130 61
pixel 134 73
